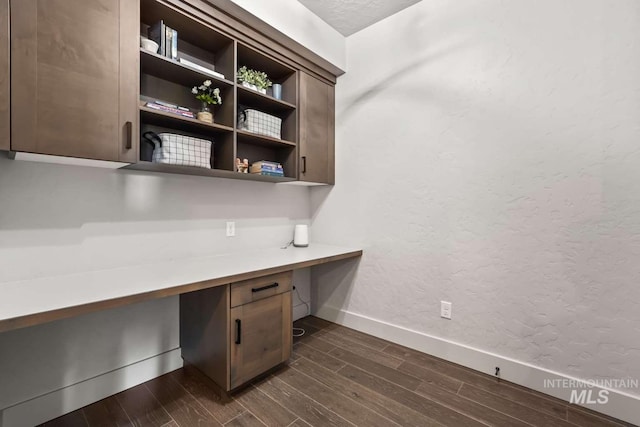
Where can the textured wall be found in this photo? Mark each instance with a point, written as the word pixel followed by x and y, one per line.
pixel 296 21
pixel 349 17
pixel 488 156
pixel 57 220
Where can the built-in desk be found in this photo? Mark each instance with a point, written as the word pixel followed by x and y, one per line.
pixel 234 322
pixel 32 302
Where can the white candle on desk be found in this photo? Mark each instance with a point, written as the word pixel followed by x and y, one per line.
pixel 301 236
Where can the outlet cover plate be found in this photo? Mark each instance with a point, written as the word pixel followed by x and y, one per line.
pixel 445 310
pixel 231 229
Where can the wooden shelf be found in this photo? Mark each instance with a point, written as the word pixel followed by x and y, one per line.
pixel 219 173
pixel 256 139
pixel 161 118
pixel 252 99
pixel 252 58
pixel 168 69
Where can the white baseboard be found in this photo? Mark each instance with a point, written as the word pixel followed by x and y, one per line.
pixel 52 405
pixel 620 405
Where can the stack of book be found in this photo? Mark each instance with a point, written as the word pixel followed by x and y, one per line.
pixel 170 108
pixel 167 39
pixel 198 67
pixel 264 167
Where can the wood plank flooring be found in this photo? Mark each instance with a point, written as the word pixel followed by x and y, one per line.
pixel 339 377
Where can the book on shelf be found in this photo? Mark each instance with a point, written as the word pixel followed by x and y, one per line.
pixel 200 68
pixel 171 43
pixel 174 46
pixel 157 33
pixel 167 41
pixel 267 163
pixel 266 169
pixel 180 111
pixel 268 173
pixel 168 104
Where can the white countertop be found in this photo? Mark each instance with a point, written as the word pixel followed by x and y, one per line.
pixel 24 302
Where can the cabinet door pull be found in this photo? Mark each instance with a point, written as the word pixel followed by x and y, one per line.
pixel 264 288
pixel 304 164
pixel 238 331
pixel 129 129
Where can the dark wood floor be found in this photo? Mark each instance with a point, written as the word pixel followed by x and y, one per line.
pixel 339 377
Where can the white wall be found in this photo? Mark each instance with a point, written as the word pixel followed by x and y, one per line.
pixel 488 155
pixel 296 21
pixel 60 219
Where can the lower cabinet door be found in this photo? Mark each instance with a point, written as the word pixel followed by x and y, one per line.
pixel 261 337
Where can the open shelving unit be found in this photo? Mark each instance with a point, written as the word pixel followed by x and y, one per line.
pixel 253 146
pixel 169 80
pixel 170 70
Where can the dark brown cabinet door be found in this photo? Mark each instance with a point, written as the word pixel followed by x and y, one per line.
pixel 317 130
pixel 74 66
pixel 261 337
pixel 4 75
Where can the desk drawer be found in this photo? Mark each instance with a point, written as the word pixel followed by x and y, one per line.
pixel 261 287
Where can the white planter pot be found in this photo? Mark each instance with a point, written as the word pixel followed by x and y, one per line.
pixel 254 87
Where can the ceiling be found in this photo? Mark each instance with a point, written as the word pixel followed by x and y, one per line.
pixel 350 16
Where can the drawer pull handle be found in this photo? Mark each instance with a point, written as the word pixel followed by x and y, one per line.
pixel 264 288
pixel 129 128
pixel 238 331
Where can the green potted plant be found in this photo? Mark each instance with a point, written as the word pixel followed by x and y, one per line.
pixel 208 96
pixel 252 79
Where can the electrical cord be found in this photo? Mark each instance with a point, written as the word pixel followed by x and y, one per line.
pixel 303 301
pixel 302 331
pixel 287 245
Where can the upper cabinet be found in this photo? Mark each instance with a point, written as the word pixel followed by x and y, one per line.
pixel 82 86
pixel 317 130
pixel 4 74
pixel 75 73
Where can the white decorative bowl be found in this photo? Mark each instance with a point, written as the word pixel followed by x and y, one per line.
pixel 149 45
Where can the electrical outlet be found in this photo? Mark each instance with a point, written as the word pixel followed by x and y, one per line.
pixel 445 310
pixel 231 229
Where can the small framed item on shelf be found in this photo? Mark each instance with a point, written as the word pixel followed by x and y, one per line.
pixel 174 149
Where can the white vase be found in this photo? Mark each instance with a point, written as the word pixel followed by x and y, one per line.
pixel 254 87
